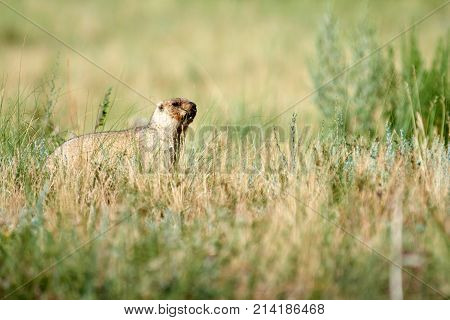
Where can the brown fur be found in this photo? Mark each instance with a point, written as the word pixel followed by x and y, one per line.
pixel 162 136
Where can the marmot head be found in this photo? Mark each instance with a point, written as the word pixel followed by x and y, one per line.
pixel 175 113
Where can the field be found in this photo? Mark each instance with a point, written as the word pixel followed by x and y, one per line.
pixel 290 186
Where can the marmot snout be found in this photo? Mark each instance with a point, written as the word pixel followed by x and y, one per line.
pixel 180 111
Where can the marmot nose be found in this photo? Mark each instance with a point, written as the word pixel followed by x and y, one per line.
pixel 192 110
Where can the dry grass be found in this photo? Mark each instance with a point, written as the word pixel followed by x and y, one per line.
pixel 249 212
pixel 208 230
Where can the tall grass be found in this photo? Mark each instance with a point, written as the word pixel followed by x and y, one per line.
pixel 242 217
pixel 104 109
pixel 202 233
pixel 385 87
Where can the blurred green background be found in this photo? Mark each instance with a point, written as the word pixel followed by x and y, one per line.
pixel 239 60
pixel 200 232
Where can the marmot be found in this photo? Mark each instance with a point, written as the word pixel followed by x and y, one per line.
pixel 157 143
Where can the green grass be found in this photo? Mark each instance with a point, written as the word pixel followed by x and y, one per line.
pixel 241 217
pixel 211 231
pixel 377 91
